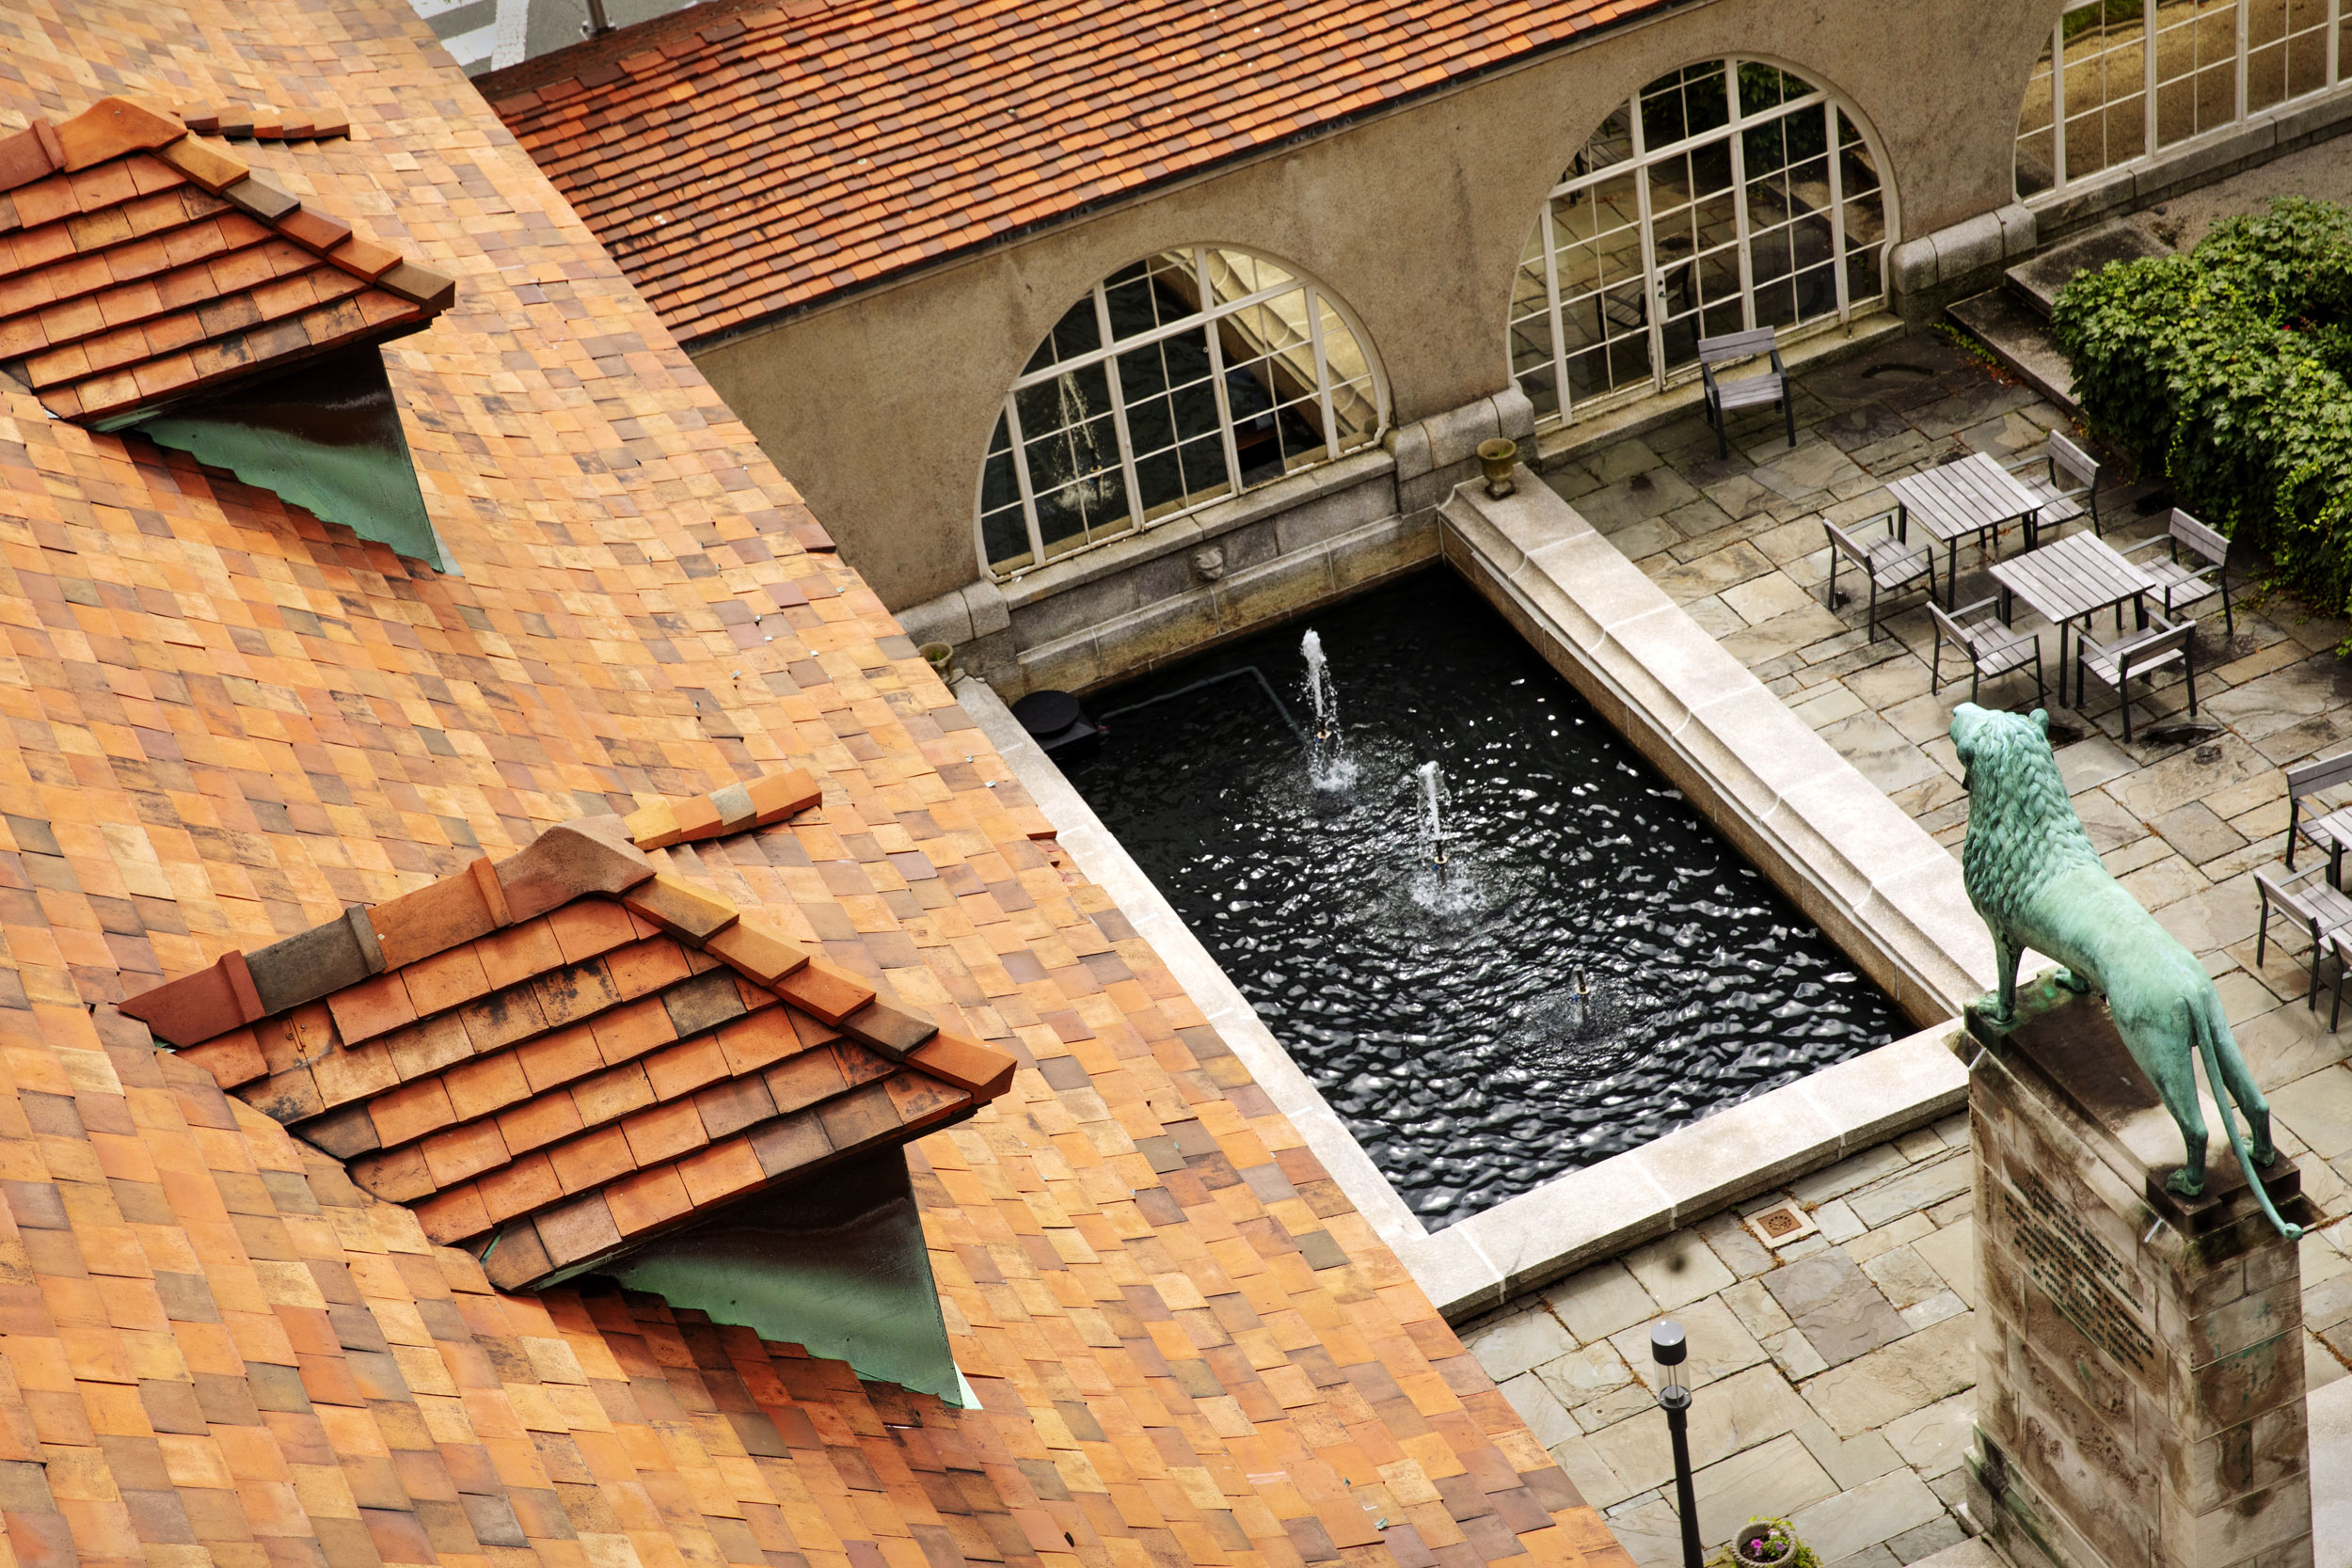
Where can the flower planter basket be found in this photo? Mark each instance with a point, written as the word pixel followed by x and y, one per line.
pixel 1771 1544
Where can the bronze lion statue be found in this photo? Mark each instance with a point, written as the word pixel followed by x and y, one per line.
pixel 2033 875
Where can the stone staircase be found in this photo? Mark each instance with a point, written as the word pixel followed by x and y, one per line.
pixel 2013 319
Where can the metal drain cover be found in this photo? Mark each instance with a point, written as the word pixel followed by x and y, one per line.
pixel 1781 1223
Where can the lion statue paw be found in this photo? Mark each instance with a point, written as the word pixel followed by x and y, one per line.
pixel 2070 980
pixel 2186 1185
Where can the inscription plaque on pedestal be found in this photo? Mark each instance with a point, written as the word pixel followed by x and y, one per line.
pixel 2140 1401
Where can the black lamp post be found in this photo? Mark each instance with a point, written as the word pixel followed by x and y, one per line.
pixel 1667 1348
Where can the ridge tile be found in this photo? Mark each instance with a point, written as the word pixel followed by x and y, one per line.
pixel 680 908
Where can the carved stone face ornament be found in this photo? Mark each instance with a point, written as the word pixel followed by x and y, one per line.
pixel 2036 881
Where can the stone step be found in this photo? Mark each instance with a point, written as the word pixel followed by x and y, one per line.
pixel 2021 340
pixel 2038 279
pixel 1975 1552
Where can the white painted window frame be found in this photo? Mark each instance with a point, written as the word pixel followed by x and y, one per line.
pixel 1108 354
pixel 1636 165
pixel 2152 150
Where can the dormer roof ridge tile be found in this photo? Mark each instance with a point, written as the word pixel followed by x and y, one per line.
pixel 562 1051
pixel 73 189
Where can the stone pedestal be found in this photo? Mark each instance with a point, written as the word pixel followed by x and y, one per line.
pixel 2140 1401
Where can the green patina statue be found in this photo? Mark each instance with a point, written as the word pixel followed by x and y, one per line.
pixel 2032 874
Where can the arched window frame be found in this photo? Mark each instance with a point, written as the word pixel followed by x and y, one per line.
pixel 2324 20
pixel 1638 157
pixel 1106 355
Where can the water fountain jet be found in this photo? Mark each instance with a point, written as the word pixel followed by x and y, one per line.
pixel 1433 821
pixel 1329 766
pixel 1425 979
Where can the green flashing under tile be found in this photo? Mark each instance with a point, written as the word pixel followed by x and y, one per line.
pixel 834 1263
pixel 325 437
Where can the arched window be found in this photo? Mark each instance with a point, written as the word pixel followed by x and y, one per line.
pixel 1725 195
pixel 2099 97
pixel 1191 375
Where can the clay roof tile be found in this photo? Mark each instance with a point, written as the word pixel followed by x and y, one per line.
pixel 88 187
pixel 673 98
pixel 482 1040
pixel 239 722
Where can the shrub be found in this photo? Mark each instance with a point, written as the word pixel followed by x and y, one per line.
pixel 2229 370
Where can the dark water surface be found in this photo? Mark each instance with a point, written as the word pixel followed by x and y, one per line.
pixel 1436 1005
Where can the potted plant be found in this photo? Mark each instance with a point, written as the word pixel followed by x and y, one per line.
pixel 1771 1544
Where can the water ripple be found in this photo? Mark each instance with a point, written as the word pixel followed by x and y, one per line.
pixel 1434 1006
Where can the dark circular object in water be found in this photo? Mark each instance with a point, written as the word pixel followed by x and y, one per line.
pixel 1052 718
pixel 1044 713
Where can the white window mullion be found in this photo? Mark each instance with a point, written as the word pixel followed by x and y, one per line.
pixel 1649 271
pixel 1119 411
pixel 1216 379
pixel 2058 100
pixel 1021 478
pixel 1550 220
pixel 2243 23
pixel 1323 374
pixel 1740 228
pixel 1836 213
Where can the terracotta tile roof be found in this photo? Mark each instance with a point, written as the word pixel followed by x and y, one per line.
pixel 222 723
pixel 140 267
pixel 561 1054
pixel 742 159
pixel 263 123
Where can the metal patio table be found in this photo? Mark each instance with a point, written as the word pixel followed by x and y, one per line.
pixel 1975 495
pixel 2071 579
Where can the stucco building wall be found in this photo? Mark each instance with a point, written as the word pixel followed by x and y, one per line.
pixel 880 406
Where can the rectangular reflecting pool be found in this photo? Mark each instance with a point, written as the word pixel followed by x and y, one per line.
pixel 1564 963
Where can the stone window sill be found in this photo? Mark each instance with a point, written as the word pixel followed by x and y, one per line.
pixel 1194 529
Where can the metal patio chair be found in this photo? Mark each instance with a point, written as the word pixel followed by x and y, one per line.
pixel 2138 656
pixel 1991 648
pixel 2206 575
pixel 2326 830
pixel 2069 486
pixel 2337 946
pixel 2316 909
pixel 1890 563
pixel 1749 391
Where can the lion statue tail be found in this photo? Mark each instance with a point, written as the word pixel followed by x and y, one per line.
pixel 2204 1023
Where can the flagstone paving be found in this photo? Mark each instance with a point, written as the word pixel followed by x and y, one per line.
pixel 1833 1375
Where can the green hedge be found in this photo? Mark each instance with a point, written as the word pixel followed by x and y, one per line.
pixel 2229 370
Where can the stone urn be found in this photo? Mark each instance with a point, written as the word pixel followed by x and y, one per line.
pixel 1496 459
pixel 939 656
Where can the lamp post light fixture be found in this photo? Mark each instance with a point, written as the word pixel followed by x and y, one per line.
pixel 1669 1350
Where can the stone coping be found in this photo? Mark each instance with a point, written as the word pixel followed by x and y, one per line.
pixel 1753 769
pixel 1857 865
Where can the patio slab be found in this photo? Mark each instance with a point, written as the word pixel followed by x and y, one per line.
pixel 1878 1344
